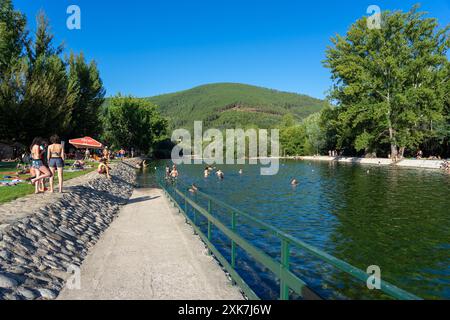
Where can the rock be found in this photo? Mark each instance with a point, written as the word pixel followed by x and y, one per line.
pixel 5 254
pixel 7 282
pixel 46 293
pixel 17 270
pixel 20 260
pixel 26 293
pixel 67 231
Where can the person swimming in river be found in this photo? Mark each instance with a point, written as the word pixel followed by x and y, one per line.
pixel 206 172
pixel 174 173
pixel 168 171
pixel 193 188
pixel 241 172
pixel 143 165
pixel 294 182
pixel 220 174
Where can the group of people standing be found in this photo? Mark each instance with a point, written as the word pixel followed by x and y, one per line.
pixel 46 160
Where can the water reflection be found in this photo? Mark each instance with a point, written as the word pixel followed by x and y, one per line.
pixel 395 218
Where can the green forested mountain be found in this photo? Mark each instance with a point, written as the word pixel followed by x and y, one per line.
pixel 231 105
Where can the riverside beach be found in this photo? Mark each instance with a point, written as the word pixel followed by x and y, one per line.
pixel 407 163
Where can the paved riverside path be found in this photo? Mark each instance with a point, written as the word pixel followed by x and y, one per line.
pixel 149 252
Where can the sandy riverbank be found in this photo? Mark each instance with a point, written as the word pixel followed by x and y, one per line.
pixel 411 163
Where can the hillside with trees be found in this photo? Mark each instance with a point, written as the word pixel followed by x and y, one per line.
pixel 233 105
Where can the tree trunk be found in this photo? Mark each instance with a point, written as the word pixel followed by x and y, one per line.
pixel 394 148
pixel 402 152
pixel 394 151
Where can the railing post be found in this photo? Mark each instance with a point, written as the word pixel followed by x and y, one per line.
pixel 209 223
pixel 194 220
pixel 284 289
pixel 233 244
pixel 185 206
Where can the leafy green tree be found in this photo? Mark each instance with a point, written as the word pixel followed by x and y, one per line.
pixel 41 94
pixel 133 123
pixel 43 110
pixel 292 140
pixel 13 36
pixel 13 39
pixel 288 120
pixel 43 43
pixel 315 135
pixel 85 96
pixel 389 83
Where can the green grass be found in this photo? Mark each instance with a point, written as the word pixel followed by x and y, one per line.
pixel 8 194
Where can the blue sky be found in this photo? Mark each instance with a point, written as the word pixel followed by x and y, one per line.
pixel 149 47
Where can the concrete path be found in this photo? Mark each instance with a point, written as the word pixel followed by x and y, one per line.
pixel 150 253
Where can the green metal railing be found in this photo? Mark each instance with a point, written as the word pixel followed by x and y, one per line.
pixel 281 269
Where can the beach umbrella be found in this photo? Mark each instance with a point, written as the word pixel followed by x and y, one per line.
pixel 86 143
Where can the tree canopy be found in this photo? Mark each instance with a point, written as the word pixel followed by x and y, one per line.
pixel 131 122
pixel 390 84
pixel 42 93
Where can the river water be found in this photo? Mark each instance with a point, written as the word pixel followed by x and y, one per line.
pixel 394 218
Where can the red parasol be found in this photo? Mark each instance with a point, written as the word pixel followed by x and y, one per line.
pixel 86 143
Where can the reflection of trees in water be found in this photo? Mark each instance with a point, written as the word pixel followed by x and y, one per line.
pixel 395 219
pixel 391 217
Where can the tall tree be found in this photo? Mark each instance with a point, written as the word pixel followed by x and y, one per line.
pixel 315 135
pixel 13 40
pixel 44 109
pixel 43 44
pixel 389 83
pixel 85 96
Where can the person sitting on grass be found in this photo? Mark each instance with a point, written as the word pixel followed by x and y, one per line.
pixel 103 168
pixel 22 168
pixel 78 165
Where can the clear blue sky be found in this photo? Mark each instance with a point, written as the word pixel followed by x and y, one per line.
pixel 148 47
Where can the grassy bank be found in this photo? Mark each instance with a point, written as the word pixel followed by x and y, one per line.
pixel 22 189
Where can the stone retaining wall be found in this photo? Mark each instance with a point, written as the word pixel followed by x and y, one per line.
pixel 37 252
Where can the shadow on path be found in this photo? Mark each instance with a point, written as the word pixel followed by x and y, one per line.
pixel 142 199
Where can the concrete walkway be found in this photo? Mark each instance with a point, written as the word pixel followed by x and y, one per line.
pixel 150 253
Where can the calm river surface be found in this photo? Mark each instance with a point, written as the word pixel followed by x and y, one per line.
pixel 395 218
